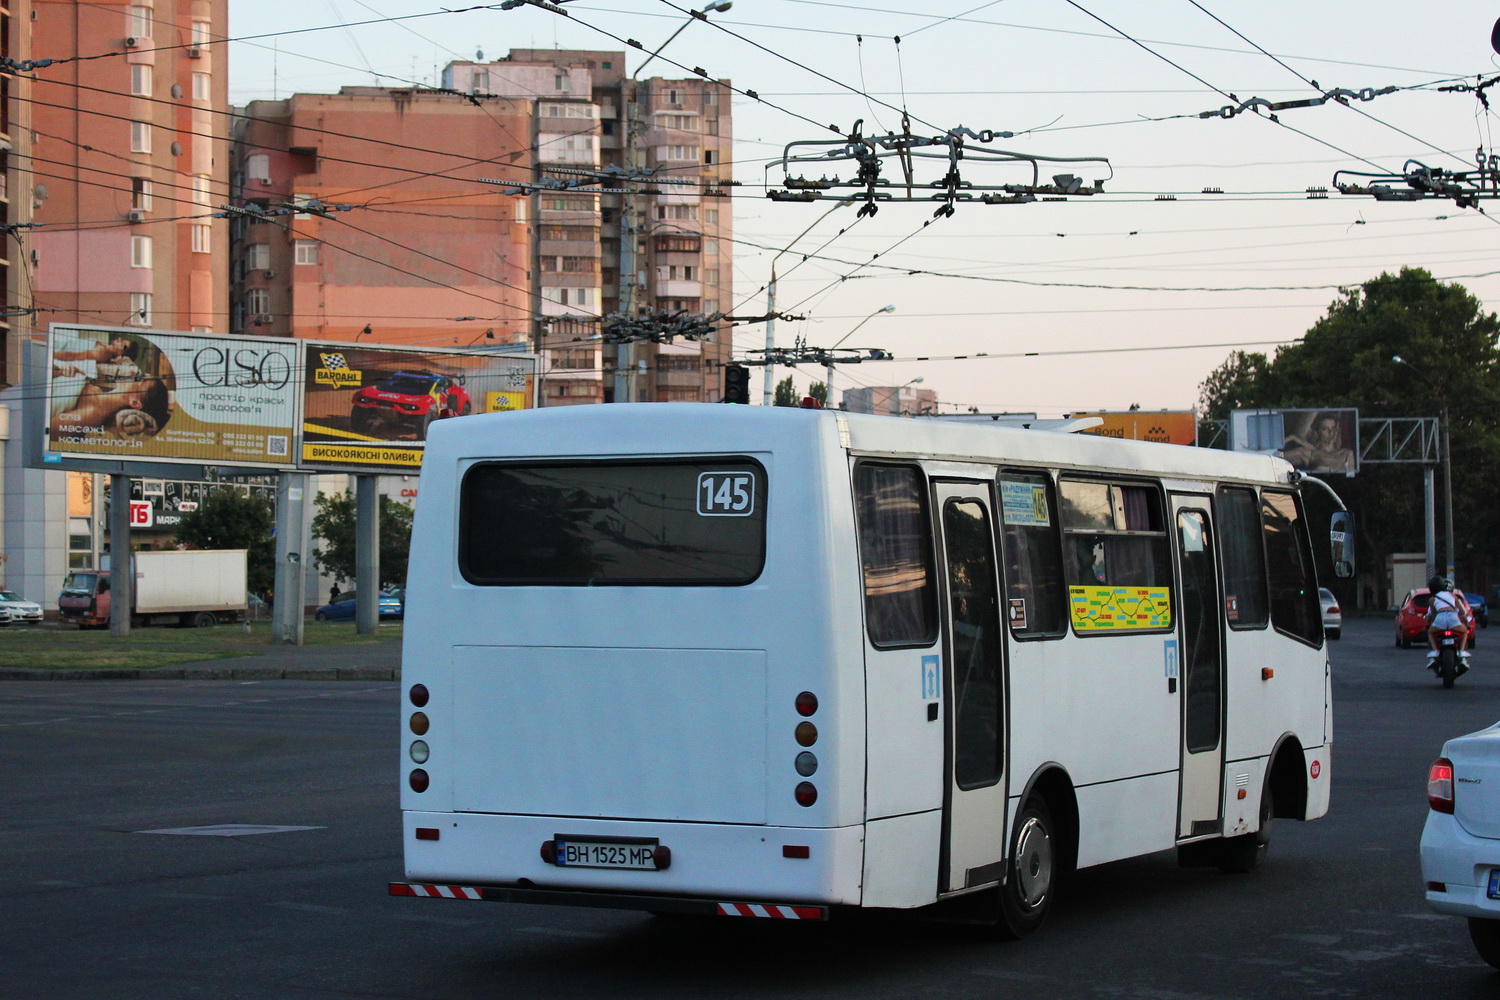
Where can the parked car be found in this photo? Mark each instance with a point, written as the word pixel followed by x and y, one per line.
pixel 342 608
pixel 21 611
pixel 1333 618
pixel 1479 606
pixel 1411 618
pixel 1461 839
pixel 4 616
pixel 412 399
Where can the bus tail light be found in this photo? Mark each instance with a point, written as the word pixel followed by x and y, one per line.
pixel 419 780
pixel 807 703
pixel 806 793
pixel 1440 785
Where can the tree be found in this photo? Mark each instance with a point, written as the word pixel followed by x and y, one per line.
pixel 1452 361
pixel 786 393
pixel 819 391
pixel 333 525
pixel 228 518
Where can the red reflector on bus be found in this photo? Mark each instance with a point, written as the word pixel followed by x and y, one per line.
pixel 419 781
pixel 807 703
pixel 795 851
pixel 806 794
pixel 1266 673
pixel 428 833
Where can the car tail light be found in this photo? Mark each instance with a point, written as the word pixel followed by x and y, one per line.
pixel 1440 785
pixel 1333 610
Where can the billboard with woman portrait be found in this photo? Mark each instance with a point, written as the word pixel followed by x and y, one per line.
pixel 121 392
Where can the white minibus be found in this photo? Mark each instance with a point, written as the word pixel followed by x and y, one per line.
pixel 762 661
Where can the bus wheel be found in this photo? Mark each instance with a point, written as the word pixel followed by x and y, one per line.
pixel 1244 854
pixel 1031 876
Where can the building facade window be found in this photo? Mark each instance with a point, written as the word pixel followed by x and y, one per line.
pixel 138 21
pixel 258 167
pixel 202 238
pixel 141 80
pixel 200 189
pixel 258 256
pixel 140 251
pixel 140 309
pixel 258 304
pixel 140 194
pixel 201 34
pixel 682 213
pixel 711 216
pixel 140 137
pixel 305 251
pixel 202 90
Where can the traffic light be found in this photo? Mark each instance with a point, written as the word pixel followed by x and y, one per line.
pixel 736 384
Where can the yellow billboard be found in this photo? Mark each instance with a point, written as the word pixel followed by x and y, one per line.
pixel 1162 426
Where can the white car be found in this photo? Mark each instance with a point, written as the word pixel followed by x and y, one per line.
pixel 1461 841
pixel 22 612
pixel 1333 618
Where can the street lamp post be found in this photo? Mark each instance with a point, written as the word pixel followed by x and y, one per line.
pixel 770 375
pixel 828 381
pixel 1446 458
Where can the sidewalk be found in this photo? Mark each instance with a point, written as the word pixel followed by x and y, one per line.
pixel 362 662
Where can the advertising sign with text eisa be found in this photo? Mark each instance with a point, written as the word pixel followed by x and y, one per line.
pixel 122 392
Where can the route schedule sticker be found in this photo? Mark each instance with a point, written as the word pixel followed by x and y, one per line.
pixel 1110 609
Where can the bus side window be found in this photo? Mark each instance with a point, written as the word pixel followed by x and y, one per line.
pixel 895 550
pixel 1242 556
pixel 1114 536
pixel 1035 594
pixel 1294 594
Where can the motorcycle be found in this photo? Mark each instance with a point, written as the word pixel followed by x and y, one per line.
pixel 1448 664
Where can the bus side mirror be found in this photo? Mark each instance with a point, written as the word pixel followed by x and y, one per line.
pixel 1341 544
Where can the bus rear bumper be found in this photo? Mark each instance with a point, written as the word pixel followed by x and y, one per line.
pixel 611 900
pixel 702 861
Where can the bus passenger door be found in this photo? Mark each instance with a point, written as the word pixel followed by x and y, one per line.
pixel 973 650
pixel 1201 662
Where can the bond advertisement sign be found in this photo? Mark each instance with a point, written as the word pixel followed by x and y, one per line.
pixel 369 408
pixel 124 393
pixel 1163 426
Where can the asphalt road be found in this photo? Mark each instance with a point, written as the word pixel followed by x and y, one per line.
pixel 94 907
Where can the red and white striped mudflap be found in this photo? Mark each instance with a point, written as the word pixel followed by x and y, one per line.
pixel 435 891
pixel 771 910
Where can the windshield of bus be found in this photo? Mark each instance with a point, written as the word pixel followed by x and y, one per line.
pixel 613 523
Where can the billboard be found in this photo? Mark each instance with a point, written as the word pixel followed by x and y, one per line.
pixel 1164 426
pixel 1316 441
pixel 128 393
pixel 367 408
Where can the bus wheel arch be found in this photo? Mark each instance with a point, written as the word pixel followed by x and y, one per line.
pixel 1286 779
pixel 1042 851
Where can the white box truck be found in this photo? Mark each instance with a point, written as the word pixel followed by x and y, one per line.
pixel 191 588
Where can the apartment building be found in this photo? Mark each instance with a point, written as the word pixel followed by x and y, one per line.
pixel 893 400
pixel 655 245
pixel 370 214
pixel 113 168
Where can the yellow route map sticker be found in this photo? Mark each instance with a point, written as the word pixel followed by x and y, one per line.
pixel 1101 609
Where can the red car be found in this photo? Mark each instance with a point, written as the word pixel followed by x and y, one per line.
pixel 413 398
pixel 1411 620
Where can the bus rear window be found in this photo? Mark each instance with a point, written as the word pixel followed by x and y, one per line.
pixel 604 524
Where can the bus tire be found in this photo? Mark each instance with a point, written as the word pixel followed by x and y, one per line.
pixel 1245 853
pixel 1031 875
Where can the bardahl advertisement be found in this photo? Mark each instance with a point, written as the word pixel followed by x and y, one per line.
pixel 370 407
pixel 118 392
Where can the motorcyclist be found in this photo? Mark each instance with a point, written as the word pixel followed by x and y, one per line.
pixel 1443 614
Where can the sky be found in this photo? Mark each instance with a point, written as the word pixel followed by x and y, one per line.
pixel 1204 239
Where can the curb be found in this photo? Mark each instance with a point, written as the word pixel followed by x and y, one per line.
pixel 204 674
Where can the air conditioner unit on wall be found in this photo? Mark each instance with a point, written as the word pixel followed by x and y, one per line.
pixel 132 42
pixel 270 273
pixel 136 215
pixel 195 53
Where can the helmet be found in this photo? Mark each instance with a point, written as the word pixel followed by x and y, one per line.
pixel 1436 584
